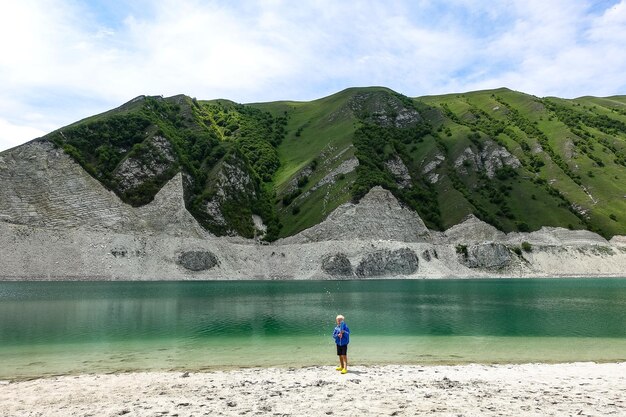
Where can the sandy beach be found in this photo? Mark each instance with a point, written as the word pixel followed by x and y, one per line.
pixel 585 389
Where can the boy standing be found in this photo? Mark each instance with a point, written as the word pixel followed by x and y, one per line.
pixel 342 338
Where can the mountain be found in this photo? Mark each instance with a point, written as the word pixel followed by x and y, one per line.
pixel 516 161
pixel 463 179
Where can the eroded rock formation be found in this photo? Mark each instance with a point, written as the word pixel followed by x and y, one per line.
pixel 43 187
pixel 197 260
pixel 386 263
pixel 57 222
pixel 337 265
pixel 377 216
pixel 485 255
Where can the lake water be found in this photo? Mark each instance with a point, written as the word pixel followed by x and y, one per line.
pixel 49 328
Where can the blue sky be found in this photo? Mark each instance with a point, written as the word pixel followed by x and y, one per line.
pixel 62 60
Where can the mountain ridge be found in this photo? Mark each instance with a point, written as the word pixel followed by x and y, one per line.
pixel 487 153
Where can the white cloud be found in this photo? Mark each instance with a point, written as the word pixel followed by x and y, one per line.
pixel 13 135
pixel 610 25
pixel 558 48
pixel 62 62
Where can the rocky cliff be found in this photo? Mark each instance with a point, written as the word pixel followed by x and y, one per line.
pixel 378 216
pixel 365 183
pixel 59 223
pixel 43 187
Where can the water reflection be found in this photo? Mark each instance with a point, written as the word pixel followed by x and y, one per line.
pixel 90 312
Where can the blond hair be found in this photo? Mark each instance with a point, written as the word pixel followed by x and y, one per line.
pixel 340 317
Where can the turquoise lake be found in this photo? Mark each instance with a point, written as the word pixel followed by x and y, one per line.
pixel 50 328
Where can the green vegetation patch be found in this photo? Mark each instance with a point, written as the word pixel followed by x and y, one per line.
pixel 279 160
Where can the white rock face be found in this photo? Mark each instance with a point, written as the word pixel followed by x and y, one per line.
pixel 473 230
pixel 134 171
pixel 232 177
pixel 384 109
pixel 396 166
pixel 430 167
pixel 345 167
pixel 32 253
pixel 214 210
pixel 490 256
pixel 377 216
pixel 42 186
pixel 490 159
pixel 57 222
pixel 167 213
pixel 558 236
pixel 618 241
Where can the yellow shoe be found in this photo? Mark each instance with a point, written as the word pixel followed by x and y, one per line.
pixel 344 371
pixel 339 368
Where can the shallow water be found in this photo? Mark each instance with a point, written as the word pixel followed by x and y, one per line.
pixel 70 327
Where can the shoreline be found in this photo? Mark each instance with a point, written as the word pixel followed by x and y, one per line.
pixel 578 388
pixel 493 276
pixel 292 367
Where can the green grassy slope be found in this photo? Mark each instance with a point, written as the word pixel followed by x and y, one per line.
pixel 516 161
pixel 319 135
pixel 571 153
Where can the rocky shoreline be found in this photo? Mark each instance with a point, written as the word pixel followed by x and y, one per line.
pixel 39 254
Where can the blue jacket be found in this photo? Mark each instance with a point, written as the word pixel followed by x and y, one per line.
pixel 345 339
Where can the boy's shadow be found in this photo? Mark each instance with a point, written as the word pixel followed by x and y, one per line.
pixel 357 372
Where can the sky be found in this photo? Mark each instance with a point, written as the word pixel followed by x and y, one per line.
pixel 63 60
